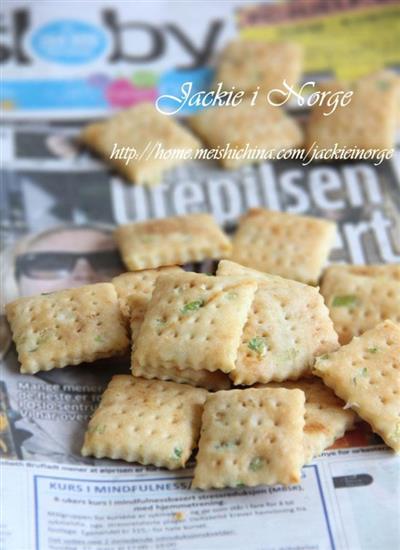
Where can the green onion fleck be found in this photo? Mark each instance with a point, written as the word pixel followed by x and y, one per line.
pixel 258 345
pixel 192 306
pixel 325 357
pixel 177 453
pixel 256 464
pixel 347 300
pixel 383 85
pixel 44 337
pixel 372 350
pixel 99 339
pixel 147 239
pixel 100 429
pixel 362 373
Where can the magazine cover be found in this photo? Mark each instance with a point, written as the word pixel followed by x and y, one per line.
pixel 200 275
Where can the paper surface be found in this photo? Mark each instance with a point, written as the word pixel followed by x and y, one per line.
pixel 58 207
pixel 323 30
pixel 124 508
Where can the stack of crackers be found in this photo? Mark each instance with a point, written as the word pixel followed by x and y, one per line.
pixel 305 366
pixel 368 121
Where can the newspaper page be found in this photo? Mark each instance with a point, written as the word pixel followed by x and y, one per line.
pixel 59 206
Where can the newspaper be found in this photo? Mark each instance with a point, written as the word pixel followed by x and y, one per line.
pixel 58 207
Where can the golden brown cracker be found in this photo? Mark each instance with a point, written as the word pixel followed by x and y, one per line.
pixel 146 421
pixel 295 247
pixel 325 418
pixel 287 327
pixel 67 327
pixel 251 437
pixel 171 241
pixel 260 127
pixel 196 320
pixel 137 131
pixel 249 65
pixel 357 303
pixel 366 374
pixel 368 121
pixel 134 291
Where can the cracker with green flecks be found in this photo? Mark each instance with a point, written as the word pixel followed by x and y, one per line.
pixel 287 327
pixel 255 64
pixel 146 421
pixel 368 121
pixel 129 133
pixel 134 291
pixel 384 79
pixel 366 374
pixel 67 327
pixel 390 271
pixel 357 303
pixel 251 437
pixel 194 321
pixel 258 127
pixel 295 247
pixel 213 381
pixel 170 241
pixel 325 418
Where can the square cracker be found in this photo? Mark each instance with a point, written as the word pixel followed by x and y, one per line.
pixel 249 64
pixel 134 291
pixel 390 271
pixel 214 381
pixel 367 122
pixel 196 322
pixel 287 327
pixel 366 374
pixel 357 303
pixel 382 78
pixel 284 244
pixel 261 126
pixel 67 327
pixel 137 128
pixel 170 241
pixel 325 418
pixel 251 437
pixel 146 421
